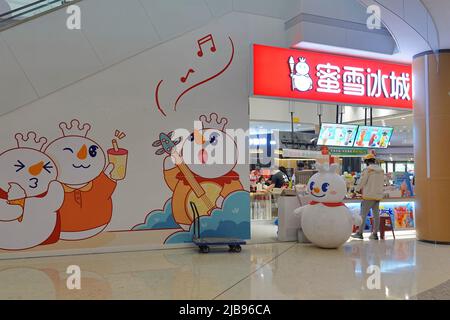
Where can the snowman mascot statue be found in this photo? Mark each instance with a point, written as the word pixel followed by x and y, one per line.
pixel 326 221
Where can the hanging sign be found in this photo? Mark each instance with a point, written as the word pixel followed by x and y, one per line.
pixel 330 78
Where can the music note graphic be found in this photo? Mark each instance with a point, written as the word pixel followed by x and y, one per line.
pixel 184 79
pixel 205 39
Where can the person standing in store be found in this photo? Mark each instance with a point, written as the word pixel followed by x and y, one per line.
pixel 279 179
pixel 371 185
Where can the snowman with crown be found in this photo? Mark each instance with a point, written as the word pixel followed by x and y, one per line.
pixel 301 80
pixel 197 170
pixel 326 221
pixel 30 196
pixel 85 175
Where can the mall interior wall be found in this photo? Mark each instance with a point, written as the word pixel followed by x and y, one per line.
pixel 143 96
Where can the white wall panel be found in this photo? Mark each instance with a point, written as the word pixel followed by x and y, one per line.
pixel 284 9
pixel 173 18
pixel 220 7
pixel 51 55
pixel 349 10
pixel 117 28
pixel 369 41
pixel 318 33
pixel 15 89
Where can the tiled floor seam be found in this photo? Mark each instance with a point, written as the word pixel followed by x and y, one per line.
pixel 256 270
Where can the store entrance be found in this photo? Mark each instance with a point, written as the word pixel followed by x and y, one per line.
pixel 285 145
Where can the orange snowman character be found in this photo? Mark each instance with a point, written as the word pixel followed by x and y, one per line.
pixel 197 171
pixel 87 182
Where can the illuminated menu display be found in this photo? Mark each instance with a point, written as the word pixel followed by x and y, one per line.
pixel 373 137
pixel 337 135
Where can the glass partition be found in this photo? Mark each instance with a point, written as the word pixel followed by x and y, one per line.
pixel 15 11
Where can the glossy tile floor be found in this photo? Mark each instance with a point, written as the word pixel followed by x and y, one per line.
pixel 261 271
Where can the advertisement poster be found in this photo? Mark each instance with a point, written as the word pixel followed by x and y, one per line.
pixel 373 137
pixel 403 181
pixel 337 135
pixel 402 214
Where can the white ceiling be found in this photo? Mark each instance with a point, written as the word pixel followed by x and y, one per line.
pixel 440 12
pixel 39 57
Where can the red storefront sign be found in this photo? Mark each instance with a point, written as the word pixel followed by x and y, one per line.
pixel 330 78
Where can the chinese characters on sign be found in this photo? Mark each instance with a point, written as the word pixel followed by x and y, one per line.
pixel 354 82
pixel 328 78
pixel 309 75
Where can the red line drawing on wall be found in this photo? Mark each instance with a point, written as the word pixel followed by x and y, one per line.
pixel 184 79
pixel 206 39
pixel 158 104
pixel 157 99
pixel 208 79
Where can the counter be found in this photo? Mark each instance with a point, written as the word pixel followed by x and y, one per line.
pixel 401 210
pixel 288 222
pixel 261 205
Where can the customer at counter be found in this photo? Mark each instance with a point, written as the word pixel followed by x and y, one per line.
pixel 371 185
pixel 279 179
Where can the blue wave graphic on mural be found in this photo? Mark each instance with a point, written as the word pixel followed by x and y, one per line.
pixel 159 219
pixel 233 220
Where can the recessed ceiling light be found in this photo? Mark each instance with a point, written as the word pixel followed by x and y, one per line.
pixel 403 118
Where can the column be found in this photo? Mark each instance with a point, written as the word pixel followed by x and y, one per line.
pixel 431 90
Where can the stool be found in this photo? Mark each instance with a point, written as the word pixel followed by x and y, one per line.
pixel 385 225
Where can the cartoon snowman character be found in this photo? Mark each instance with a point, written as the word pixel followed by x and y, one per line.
pixel 87 182
pixel 194 173
pixel 30 196
pixel 326 221
pixel 301 80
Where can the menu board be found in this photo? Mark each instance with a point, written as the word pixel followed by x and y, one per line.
pixel 373 137
pixel 336 135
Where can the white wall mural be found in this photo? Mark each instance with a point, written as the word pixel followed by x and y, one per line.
pixel 116 116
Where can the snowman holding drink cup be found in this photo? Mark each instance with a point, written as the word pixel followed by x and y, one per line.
pixel 87 178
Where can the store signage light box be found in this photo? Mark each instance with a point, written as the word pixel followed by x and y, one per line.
pixel 330 78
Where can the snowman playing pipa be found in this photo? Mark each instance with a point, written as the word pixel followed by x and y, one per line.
pixel 199 180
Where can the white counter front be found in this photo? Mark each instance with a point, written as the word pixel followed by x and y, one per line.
pixel 288 222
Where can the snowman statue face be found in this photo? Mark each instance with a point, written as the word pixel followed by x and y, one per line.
pixel 302 68
pixel 327 185
pixel 205 152
pixel 31 169
pixel 79 159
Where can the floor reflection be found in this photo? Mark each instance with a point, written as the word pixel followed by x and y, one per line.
pixel 264 271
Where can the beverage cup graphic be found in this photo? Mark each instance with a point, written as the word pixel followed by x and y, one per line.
pixel 118 157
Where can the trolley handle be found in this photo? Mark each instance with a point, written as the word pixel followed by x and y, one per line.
pixel 196 219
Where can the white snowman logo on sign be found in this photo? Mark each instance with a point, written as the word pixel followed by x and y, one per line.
pixel 326 221
pixel 301 80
